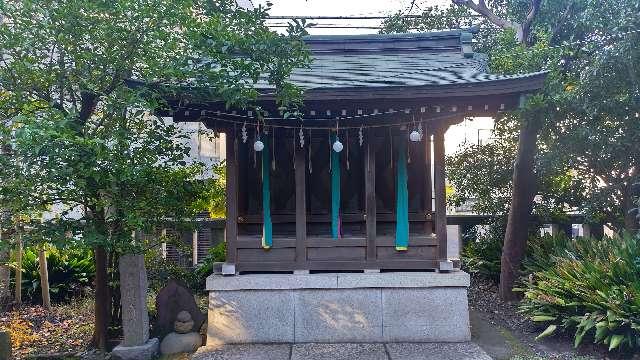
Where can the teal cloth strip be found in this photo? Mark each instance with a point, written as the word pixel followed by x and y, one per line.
pixel 335 191
pixel 267 230
pixel 402 198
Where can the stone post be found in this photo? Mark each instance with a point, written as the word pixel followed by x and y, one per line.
pixel 135 317
pixel 5 345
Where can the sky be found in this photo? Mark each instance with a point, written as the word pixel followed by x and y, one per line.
pixel 470 131
pixel 344 8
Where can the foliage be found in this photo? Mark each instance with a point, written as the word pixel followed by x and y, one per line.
pixel 217 253
pixel 79 137
pixel 213 199
pixel 587 285
pixel 481 254
pixel 70 273
pixel 160 270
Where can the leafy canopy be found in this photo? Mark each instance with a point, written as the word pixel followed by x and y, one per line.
pixel 77 138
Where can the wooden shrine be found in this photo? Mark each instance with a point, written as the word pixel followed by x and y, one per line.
pixel 388 100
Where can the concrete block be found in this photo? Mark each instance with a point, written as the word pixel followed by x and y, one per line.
pixel 253 316
pixel 338 352
pixel 228 269
pixel 148 350
pixel 272 282
pixel 133 286
pixel 445 265
pixel 418 315
pixel 345 315
pixel 403 280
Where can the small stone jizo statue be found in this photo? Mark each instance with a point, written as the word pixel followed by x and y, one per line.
pixel 182 339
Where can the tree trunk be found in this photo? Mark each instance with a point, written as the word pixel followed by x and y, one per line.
pixel 5 277
pixel 102 300
pixel 630 209
pixel 523 192
pixel 18 296
pixel 44 278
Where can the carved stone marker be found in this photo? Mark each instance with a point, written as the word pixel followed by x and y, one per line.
pixel 170 301
pixel 135 317
pixel 5 346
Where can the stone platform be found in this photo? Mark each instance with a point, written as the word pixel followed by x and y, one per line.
pixel 338 308
pixel 371 351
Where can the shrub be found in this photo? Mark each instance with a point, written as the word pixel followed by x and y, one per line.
pixel 70 273
pixel 481 254
pixel 587 285
pixel 217 253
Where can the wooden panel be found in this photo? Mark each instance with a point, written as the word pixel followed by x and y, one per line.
pixel 329 242
pixel 319 178
pixel 414 240
pixel 440 190
pixel 261 255
pixel 352 191
pixel 412 253
pixel 283 184
pixel 301 206
pixel 408 264
pixel 336 253
pixel 255 242
pixel 266 266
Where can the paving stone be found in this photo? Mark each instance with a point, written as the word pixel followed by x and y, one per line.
pixel 338 352
pixel 436 351
pixel 244 352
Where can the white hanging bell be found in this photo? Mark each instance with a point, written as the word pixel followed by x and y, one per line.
pixel 414 136
pixel 337 146
pixel 258 145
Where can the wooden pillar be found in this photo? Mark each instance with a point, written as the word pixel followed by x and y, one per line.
pixel 301 208
pixel 194 248
pixel 440 197
pixel 428 185
pixel 231 230
pixel 163 244
pixel 370 196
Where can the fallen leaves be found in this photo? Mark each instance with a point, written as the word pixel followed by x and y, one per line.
pixel 66 329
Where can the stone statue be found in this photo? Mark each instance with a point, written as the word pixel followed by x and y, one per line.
pixel 182 339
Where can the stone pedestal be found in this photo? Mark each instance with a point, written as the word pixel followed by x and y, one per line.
pixel 369 307
pixel 135 316
pixel 148 350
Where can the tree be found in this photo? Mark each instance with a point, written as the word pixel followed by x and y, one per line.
pixel 83 140
pixel 559 148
